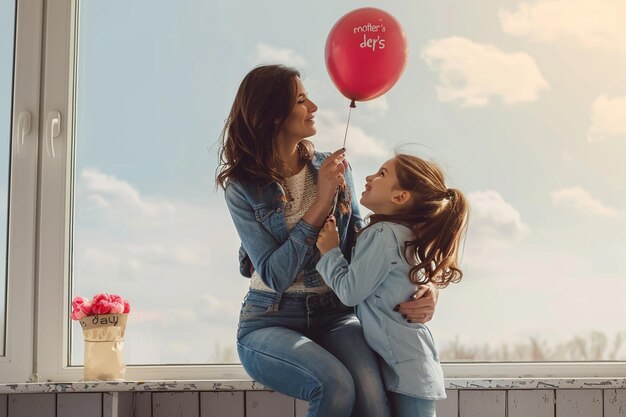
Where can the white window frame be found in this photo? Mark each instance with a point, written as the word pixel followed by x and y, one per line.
pixel 17 363
pixel 54 244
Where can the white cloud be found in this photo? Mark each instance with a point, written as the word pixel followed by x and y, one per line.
pixel 493 219
pixel 591 23
pixel 332 128
pixel 208 307
pixel 268 54
pixel 608 118
pixel 473 73
pixel 165 256
pixel 495 231
pixel 581 200
pixel 106 191
pixel 379 105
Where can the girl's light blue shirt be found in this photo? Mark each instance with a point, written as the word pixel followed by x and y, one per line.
pixel 375 281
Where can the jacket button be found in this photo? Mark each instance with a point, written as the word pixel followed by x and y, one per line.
pixel 308 240
pixel 278 210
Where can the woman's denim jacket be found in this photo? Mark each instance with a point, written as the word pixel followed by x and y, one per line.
pixel 278 254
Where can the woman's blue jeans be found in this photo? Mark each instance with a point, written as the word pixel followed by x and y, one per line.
pixel 311 347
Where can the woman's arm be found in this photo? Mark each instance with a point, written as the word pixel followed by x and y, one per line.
pixel 278 263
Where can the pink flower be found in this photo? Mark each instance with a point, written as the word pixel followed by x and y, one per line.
pixel 114 298
pixel 102 306
pixel 78 301
pixel 117 307
pixel 101 296
pixel 101 303
pixel 77 314
pixel 87 307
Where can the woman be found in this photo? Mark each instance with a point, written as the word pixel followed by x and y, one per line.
pixel 294 335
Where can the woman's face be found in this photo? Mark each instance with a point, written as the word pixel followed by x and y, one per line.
pixel 300 123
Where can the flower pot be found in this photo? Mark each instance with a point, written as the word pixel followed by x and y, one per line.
pixel 104 347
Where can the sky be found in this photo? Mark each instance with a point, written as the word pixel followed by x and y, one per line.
pixel 522 103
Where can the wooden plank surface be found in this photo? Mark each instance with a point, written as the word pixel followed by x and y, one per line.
pixel 535 403
pixel 301 408
pixel 32 405
pixel 142 404
pixel 450 406
pixel 222 404
pixel 79 405
pixel 269 404
pixel 579 403
pixel 615 403
pixel 128 404
pixel 482 403
pixel 3 405
pixel 175 404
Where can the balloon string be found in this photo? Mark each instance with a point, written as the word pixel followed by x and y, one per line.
pixel 345 136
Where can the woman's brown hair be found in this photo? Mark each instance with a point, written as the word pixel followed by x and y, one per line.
pixel 248 145
pixel 437 215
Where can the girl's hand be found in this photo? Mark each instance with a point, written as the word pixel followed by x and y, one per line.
pixel 421 307
pixel 330 176
pixel 328 237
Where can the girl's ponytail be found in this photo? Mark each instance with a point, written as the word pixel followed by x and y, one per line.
pixel 437 215
pixel 438 241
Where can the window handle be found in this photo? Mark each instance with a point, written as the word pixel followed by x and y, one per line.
pixel 53 129
pixel 22 128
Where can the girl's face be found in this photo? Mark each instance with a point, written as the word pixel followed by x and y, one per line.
pixel 379 189
pixel 300 123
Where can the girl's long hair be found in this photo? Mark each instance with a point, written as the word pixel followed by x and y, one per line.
pixel 438 218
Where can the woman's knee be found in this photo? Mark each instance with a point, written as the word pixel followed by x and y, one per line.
pixel 336 389
pixel 307 373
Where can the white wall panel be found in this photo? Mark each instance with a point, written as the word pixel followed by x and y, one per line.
pixel 450 406
pixel 535 403
pixel 579 403
pixel 32 405
pixel 142 404
pixel 615 403
pixel 482 403
pixel 301 408
pixel 127 404
pixel 79 405
pixel 269 404
pixel 175 404
pixel 222 404
pixel 3 405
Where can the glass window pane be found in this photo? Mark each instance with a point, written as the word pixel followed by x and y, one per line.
pixel 531 138
pixel 7 27
pixel 148 224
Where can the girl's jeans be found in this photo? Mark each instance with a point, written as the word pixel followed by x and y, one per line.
pixel 311 347
pixel 405 406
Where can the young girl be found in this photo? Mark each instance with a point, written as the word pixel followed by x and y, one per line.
pixel 412 238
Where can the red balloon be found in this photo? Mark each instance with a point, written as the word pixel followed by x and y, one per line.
pixel 366 52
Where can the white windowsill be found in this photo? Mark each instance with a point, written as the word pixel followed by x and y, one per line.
pixel 249 385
